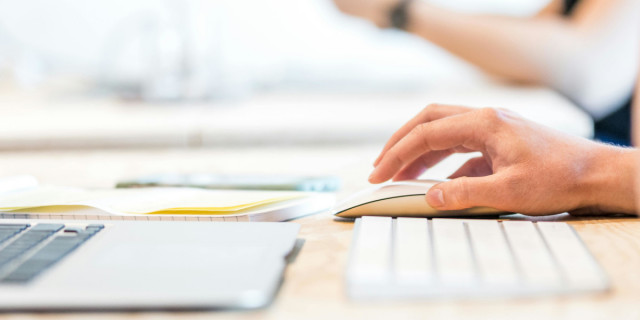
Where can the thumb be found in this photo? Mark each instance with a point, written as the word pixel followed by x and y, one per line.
pixel 464 192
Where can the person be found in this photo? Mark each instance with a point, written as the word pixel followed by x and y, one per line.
pixel 587 50
pixel 525 167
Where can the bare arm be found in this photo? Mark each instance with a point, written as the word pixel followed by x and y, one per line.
pixel 554 7
pixel 590 57
pixel 636 140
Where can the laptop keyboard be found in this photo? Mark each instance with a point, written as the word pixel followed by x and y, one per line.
pixel 26 251
pixel 434 258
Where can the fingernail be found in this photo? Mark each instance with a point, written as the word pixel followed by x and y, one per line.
pixel 435 198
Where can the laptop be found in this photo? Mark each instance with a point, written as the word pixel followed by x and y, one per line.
pixel 79 265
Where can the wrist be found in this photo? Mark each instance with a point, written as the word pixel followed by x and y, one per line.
pixel 421 17
pixel 398 15
pixel 608 180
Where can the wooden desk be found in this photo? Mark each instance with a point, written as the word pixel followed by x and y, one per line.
pixel 314 282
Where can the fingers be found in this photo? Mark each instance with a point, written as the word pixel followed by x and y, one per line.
pixel 466 192
pixel 415 169
pixel 469 130
pixel 430 113
pixel 476 167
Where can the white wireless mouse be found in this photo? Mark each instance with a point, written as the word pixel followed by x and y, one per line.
pixel 402 199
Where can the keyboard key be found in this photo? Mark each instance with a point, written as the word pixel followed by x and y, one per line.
pixel 372 255
pixel 531 253
pixel 452 253
pixel 491 252
pixel 413 263
pixel 578 266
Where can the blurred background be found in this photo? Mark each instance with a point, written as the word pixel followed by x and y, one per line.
pixel 205 73
pixel 217 49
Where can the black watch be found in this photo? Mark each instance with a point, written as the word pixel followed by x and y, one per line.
pixel 398 16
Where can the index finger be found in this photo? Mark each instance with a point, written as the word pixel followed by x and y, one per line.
pixel 429 113
pixel 466 130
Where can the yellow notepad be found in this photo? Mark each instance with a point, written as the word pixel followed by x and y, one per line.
pixel 162 201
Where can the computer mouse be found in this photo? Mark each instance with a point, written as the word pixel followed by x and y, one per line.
pixel 402 199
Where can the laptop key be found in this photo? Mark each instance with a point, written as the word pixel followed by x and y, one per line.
pixel 46 256
pixel 28 240
pixel 73 230
pixel 17 277
pixel 93 228
pixel 14 226
pixel 6 235
pixel 52 227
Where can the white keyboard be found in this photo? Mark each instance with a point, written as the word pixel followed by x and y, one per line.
pixel 420 258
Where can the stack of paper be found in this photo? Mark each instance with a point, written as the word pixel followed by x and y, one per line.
pixel 269 205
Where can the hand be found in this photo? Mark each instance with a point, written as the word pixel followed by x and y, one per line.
pixel 376 11
pixel 524 167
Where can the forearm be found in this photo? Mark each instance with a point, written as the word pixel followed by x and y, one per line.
pixel 519 49
pixel 574 56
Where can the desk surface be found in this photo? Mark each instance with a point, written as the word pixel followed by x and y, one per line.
pixel 314 286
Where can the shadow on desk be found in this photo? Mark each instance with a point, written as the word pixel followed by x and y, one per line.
pixel 562 217
pixel 566 217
